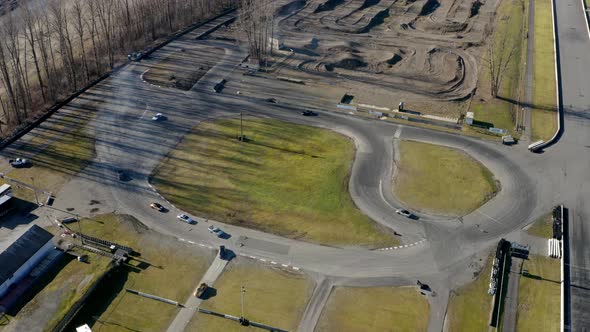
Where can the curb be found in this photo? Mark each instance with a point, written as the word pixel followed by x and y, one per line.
pixel 585 8
pixel 263 260
pixel 402 247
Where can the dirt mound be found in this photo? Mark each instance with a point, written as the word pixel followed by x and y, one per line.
pixel 368 3
pixel 429 7
pixel 291 7
pixel 327 6
pixel 346 61
pixel 426 47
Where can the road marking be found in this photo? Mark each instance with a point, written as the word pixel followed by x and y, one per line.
pixel 284 265
pixel 273 263
pixel 141 117
pixel 191 242
pixel 491 218
pixel 383 196
pixel 181 240
pixel 262 259
pixel 398 132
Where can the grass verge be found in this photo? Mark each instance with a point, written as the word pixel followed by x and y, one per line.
pixel 441 180
pixel 512 25
pixel 539 295
pixel 542 227
pixel 543 117
pixel 57 153
pixel 470 306
pixel 273 297
pixel 287 179
pixel 375 309
pixel 159 270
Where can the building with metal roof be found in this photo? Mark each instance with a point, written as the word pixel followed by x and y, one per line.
pixel 21 257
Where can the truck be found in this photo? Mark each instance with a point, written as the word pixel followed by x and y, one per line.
pixel 201 290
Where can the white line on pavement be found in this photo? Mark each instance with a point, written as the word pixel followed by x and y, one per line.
pixel 398 132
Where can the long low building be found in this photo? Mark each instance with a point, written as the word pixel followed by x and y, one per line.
pixel 19 259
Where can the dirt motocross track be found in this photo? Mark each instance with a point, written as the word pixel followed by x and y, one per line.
pixel 425 48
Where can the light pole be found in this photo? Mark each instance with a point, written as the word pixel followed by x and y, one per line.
pixel 243 293
pixel 35 190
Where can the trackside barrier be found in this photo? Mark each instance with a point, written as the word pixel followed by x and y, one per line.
pixel 557 85
pixel 565 298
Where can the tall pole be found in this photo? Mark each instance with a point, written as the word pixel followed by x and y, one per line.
pixel 35 190
pixel 80 229
pixel 241 128
pixel 243 291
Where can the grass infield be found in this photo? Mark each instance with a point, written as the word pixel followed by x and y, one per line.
pixel 286 179
pixel 438 179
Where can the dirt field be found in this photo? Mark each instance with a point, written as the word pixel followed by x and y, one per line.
pixel 182 69
pixel 422 52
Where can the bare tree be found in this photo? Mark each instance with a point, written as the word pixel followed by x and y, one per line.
pixel 256 20
pixel 499 56
pixel 79 26
pixel 29 19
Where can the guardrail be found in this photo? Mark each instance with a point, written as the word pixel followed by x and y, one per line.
pixel 586 13
pixel 559 130
pixel 565 276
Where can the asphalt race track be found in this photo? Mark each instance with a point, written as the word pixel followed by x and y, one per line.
pixel 443 250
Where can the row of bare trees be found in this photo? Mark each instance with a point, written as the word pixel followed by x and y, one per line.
pixel 47 53
pixel 256 21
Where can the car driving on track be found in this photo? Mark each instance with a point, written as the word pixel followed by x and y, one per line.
pixel 215 230
pixel 308 113
pixel 157 206
pixel 158 117
pixel 405 213
pixel 185 218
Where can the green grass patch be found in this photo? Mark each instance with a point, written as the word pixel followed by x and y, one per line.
pixel 443 180
pixel 511 23
pixel 544 121
pixel 539 295
pixel 542 227
pixel 286 179
pixel 64 151
pixel 470 306
pixel 375 309
pixel 165 268
pixel 273 296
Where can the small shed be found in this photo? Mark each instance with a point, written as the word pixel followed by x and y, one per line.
pixel 469 118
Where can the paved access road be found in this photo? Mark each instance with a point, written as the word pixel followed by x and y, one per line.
pixel 447 250
pixel 574 149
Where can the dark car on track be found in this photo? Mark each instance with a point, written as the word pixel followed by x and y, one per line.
pixel 308 113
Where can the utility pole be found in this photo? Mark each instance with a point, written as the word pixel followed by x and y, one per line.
pixel 80 229
pixel 35 190
pixel 243 293
pixel 241 127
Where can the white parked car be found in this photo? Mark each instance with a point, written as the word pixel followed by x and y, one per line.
pixel 18 162
pixel 216 231
pixel 405 213
pixel 185 218
pixel 157 117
